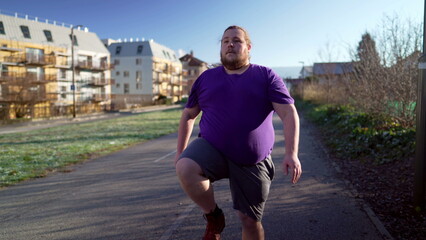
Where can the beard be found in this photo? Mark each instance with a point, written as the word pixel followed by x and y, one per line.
pixel 234 63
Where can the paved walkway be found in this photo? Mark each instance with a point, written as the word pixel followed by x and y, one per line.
pixel 134 194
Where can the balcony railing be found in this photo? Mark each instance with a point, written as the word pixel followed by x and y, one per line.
pixel 30 59
pixel 99 97
pixel 40 78
pixel 37 78
pixel 98 82
pixel 40 59
pixel 29 97
pixel 95 66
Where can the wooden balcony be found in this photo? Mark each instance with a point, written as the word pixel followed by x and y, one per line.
pixel 33 59
pixel 98 82
pixel 14 78
pixel 90 65
pixel 99 97
pixel 30 59
pixel 29 97
pixel 40 78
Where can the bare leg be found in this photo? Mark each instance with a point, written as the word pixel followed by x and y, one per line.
pixel 252 229
pixel 195 185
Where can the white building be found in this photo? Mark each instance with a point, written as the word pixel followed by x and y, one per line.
pixel 145 73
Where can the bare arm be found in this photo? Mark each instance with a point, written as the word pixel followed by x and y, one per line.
pixel 185 128
pixel 290 119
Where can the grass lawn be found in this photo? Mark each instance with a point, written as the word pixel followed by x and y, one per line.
pixel 35 153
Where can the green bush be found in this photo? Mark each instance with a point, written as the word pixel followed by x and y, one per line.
pixel 354 135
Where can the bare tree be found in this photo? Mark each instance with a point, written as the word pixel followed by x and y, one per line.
pixel 385 78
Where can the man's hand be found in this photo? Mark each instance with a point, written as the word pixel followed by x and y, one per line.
pixel 176 159
pixel 292 163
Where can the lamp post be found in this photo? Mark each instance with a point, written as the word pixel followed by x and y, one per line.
pixel 73 68
pixel 420 162
pixel 303 79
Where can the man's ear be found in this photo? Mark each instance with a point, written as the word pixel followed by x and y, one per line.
pixel 249 47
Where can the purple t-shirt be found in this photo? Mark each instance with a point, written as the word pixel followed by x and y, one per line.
pixel 237 111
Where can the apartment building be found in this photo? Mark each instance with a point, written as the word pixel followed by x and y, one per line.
pixel 36 77
pixel 192 69
pixel 145 73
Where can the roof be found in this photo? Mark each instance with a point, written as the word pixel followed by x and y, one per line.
pixel 142 48
pixel 335 68
pixel 307 69
pixel 192 61
pixel 87 41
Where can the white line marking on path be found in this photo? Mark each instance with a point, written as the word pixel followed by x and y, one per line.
pixel 166 235
pixel 163 157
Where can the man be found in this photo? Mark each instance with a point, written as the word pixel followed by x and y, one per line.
pixel 236 136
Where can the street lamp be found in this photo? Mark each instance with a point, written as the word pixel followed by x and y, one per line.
pixel 303 79
pixel 420 160
pixel 73 68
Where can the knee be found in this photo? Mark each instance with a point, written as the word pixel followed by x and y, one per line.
pixel 187 168
pixel 248 222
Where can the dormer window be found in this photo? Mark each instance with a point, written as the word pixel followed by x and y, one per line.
pixel 117 50
pixel 26 31
pixel 48 35
pixel 140 48
pixel 2 28
pixel 75 40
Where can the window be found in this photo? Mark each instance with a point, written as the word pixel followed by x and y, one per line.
pixel 2 28
pixel 117 73
pixel 138 61
pixel 63 92
pixel 138 76
pixel 126 88
pixel 75 40
pixel 63 73
pixel 26 31
pixel 117 50
pixel 48 35
pixel 138 85
pixel 140 48
pixel 117 85
pixel 126 73
pixel 116 62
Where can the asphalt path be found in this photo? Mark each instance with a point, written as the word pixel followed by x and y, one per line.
pixel 134 194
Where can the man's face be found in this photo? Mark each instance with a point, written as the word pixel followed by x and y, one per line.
pixel 234 52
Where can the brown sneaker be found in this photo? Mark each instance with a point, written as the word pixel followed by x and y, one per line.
pixel 215 224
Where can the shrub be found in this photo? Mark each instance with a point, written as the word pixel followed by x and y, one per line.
pixel 356 135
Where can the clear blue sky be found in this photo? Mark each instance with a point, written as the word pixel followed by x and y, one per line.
pixel 284 32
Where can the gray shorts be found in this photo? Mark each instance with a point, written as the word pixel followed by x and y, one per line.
pixel 249 184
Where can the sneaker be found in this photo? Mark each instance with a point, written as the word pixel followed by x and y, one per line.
pixel 215 224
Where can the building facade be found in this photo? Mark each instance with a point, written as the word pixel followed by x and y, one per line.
pixel 192 69
pixel 36 77
pixel 145 73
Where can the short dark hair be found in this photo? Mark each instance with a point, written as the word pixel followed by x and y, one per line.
pixel 247 37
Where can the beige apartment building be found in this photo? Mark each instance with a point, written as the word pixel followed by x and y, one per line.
pixel 36 77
